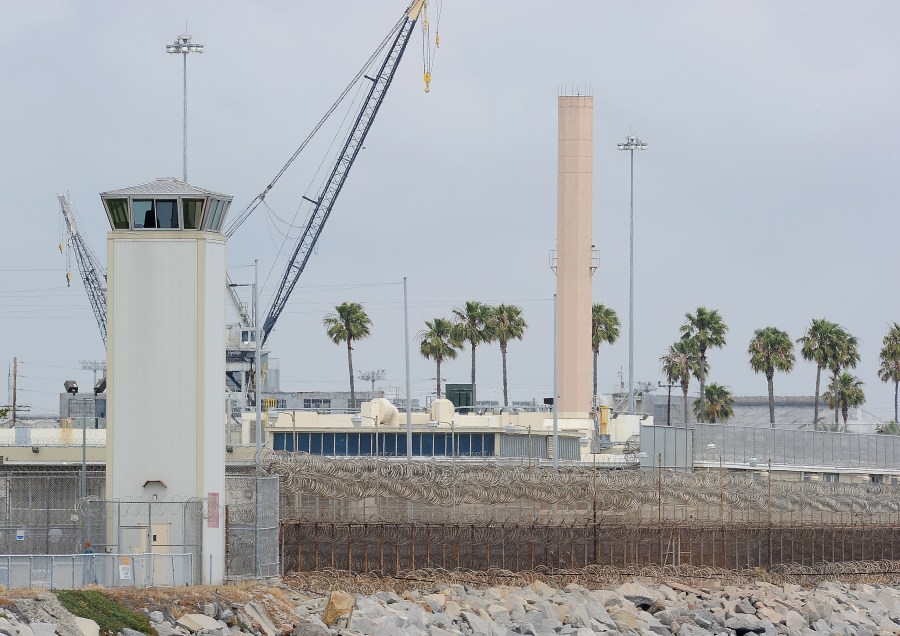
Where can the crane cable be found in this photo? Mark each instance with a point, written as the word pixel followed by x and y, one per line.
pixel 247 211
pixel 428 53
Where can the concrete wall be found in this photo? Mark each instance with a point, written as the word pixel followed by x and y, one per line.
pixel 165 362
pixel 573 262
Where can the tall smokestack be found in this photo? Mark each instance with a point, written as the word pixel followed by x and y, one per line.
pixel 573 261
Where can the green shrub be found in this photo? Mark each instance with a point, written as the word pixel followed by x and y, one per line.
pixel 107 613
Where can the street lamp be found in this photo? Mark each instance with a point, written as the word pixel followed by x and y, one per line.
pixel 183 45
pixel 433 424
pixel 631 144
pixel 273 417
pixel 356 420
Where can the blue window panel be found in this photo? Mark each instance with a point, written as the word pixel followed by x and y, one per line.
pixel 365 443
pixel 315 443
pixel 328 443
pixel 303 442
pixel 401 445
pixel 389 446
pixel 463 443
pixel 477 443
pixel 427 444
pixel 340 444
pixel 353 443
pixel 441 444
pixel 489 444
pixel 278 441
pixel 417 444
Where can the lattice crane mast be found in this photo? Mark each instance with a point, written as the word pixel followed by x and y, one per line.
pixel 324 202
pixel 93 274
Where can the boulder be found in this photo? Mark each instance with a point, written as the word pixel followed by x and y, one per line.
pixel 640 595
pixel 87 626
pixel 339 607
pixel 743 623
pixel 198 622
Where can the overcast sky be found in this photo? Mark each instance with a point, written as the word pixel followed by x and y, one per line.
pixel 768 191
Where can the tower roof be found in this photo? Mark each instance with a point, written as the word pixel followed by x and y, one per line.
pixel 164 186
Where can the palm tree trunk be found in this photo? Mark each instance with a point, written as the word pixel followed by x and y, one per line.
pixel 845 412
pixel 896 385
pixel 816 412
pixel 594 394
pixel 669 406
pixel 769 377
pixel 473 365
pixel 505 387
pixel 702 417
pixel 350 365
pixel 437 390
pixel 837 395
pixel 684 390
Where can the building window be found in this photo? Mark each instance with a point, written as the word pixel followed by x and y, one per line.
pixel 193 213
pixel 876 479
pixel 167 214
pixel 831 478
pixel 806 476
pixel 118 213
pixel 316 403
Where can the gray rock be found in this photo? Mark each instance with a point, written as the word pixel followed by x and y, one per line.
pixel 744 607
pixel 41 628
pixel 794 621
pixel 640 595
pixel 691 630
pixel 166 629
pixel 7 628
pixel 743 623
pixel 156 617
pixel 478 625
pixel 308 628
pixel 439 631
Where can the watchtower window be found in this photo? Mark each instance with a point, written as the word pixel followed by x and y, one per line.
pixel 167 214
pixel 118 213
pixel 155 213
pixel 193 212
pixel 144 216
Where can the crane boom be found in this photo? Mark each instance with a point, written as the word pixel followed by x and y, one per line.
pixel 92 273
pixel 338 176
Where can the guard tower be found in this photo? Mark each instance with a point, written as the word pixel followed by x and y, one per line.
pixel 166 353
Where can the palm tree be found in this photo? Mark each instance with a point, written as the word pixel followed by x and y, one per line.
pixel 507 324
pixel 604 328
pixel 889 371
pixel 679 364
pixel 845 391
pixel 719 403
pixel 845 356
pixel 707 329
pixel 349 322
pixel 818 344
pixel 439 342
pixel 472 324
pixel 771 350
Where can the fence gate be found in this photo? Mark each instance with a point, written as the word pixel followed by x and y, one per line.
pixel 252 527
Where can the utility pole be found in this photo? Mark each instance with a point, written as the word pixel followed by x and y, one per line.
pixel 15 374
pixel 631 144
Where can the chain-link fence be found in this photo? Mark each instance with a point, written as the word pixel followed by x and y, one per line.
pixel 72 571
pixel 252 522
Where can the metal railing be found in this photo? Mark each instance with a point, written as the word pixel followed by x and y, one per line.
pixel 790 447
pixel 71 571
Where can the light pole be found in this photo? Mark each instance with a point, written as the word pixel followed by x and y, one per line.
pixel 183 45
pixel 433 424
pixel 631 144
pixel 273 417
pixel 357 421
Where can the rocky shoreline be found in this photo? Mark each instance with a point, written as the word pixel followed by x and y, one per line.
pixel 633 608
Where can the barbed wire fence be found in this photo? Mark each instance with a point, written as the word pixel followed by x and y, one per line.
pixel 363 515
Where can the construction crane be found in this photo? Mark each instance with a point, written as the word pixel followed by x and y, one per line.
pixel 93 275
pixel 393 47
pixel 324 202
